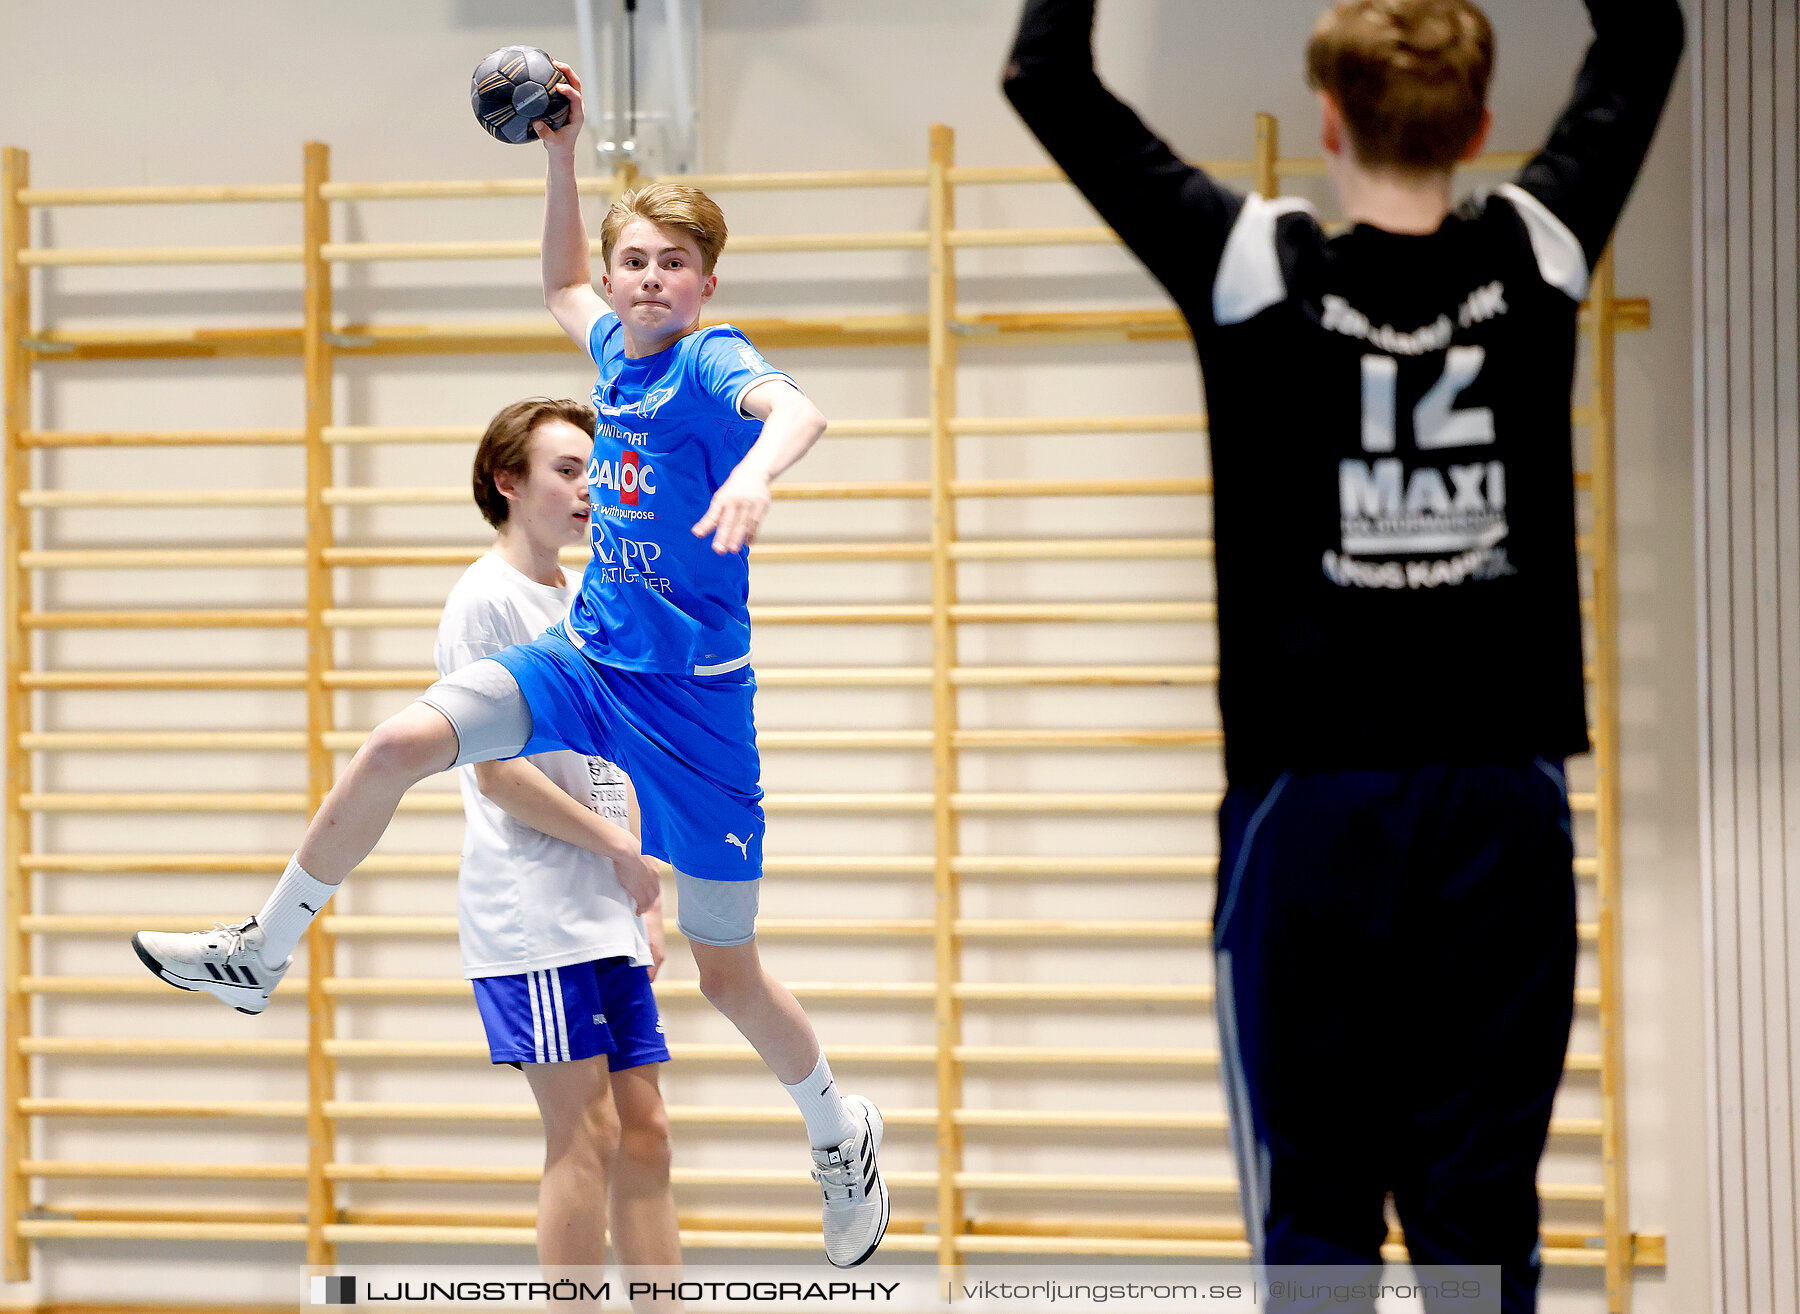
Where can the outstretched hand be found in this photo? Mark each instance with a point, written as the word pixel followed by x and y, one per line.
pixel 565 137
pixel 736 512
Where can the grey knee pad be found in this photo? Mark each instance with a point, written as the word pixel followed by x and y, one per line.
pixel 484 706
pixel 719 913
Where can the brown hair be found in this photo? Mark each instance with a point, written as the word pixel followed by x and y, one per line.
pixel 668 205
pixel 506 447
pixel 1411 77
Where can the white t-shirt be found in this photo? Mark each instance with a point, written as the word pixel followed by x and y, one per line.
pixel 526 901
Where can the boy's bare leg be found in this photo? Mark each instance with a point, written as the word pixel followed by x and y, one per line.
pixel 645 1230
pixel 771 1019
pixel 242 965
pixel 581 1138
pixel 416 742
pixel 845 1130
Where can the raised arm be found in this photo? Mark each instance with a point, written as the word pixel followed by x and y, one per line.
pixel 1173 216
pixel 568 274
pixel 1587 168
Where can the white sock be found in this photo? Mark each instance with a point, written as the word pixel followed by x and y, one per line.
pixel 296 900
pixel 827 1120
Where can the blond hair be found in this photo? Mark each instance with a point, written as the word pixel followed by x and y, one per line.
pixel 1410 76
pixel 668 205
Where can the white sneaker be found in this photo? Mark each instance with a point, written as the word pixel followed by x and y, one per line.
pixel 225 961
pixel 856 1199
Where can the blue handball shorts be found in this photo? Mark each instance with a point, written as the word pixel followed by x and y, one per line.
pixel 562 1014
pixel 687 742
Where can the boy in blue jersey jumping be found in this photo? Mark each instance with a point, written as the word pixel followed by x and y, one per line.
pixel 649 670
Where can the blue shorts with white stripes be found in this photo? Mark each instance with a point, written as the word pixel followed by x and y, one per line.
pixel 562 1014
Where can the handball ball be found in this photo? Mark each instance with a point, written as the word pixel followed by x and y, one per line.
pixel 513 88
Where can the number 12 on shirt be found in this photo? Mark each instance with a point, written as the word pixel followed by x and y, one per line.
pixel 1436 425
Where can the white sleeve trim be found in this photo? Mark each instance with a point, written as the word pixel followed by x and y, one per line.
pixel 737 402
pixel 1560 259
pixel 1249 280
pixel 587 336
pixel 722 667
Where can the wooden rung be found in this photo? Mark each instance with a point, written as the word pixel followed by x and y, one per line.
pixel 369 618
pixel 1083 994
pixel 852 803
pixel 601 184
pixel 1146 324
pixel 986 426
pixel 160 558
pixel 835 867
pixel 784 552
pixel 841 552
pixel 1120 1246
pixel 845 740
pixel 400 1050
pixel 1020 929
pixel 1080 487
pixel 176 1213
pixel 766 927
pixel 752 244
pixel 186 195
pixel 65 1108
pixel 998 613
pixel 1083 865
pixel 990 237
pixel 1096 1183
pixel 145 618
pixel 234 802
pixel 826 491
pixel 162 438
pixel 399 678
pixel 842 677
pixel 73 741
pixel 1080 549
pixel 92 680
pixel 143 984
pixel 428 617
pixel 51 257
pixel 974 676
pixel 791 677
pixel 190 1169
pixel 186 863
pixel 1038 739
pixel 1196 801
pixel 160 1047
pixel 59 500
pixel 671 990
pixel 67 1229
pixel 357 435
pixel 1029 1055
pixel 444 802
pixel 900 613
pixel 395 496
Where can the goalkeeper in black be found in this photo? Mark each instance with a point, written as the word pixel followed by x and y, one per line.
pixel 1400 643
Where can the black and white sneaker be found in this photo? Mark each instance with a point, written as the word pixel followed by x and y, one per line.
pixel 856 1199
pixel 225 961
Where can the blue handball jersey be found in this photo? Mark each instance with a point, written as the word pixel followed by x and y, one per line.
pixel 669 431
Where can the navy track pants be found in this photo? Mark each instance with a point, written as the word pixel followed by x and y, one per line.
pixel 1395 968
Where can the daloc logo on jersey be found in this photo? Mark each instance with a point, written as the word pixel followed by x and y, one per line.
pixel 628 477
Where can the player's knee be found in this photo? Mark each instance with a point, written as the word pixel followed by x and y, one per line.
pixel 587 1138
pixel 725 981
pixel 644 1144
pixel 410 746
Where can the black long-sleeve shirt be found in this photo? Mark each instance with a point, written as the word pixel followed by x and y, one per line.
pixel 1392 460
